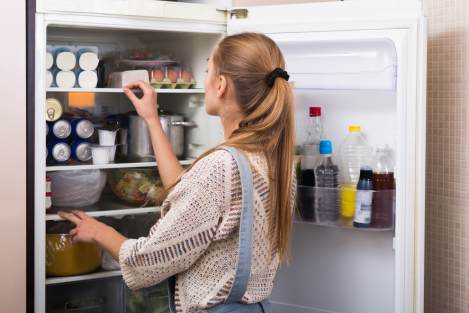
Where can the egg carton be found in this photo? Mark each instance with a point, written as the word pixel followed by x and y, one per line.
pixel 167 84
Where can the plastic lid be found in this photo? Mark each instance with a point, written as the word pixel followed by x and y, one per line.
pixel 325 147
pixel 314 111
pixel 354 129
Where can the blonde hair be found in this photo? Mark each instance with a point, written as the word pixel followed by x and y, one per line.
pixel 268 127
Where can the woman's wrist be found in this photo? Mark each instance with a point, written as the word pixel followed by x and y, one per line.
pixel 102 232
pixel 153 122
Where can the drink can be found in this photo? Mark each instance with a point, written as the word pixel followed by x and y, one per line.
pixel 82 128
pixel 54 110
pixel 59 151
pixel 62 129
pixel 81 150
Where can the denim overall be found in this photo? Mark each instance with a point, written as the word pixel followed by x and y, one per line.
pixel 233 303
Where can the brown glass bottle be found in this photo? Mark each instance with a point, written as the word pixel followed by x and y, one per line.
pixel 382 206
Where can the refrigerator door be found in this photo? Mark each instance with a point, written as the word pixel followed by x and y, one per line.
pixel 364 65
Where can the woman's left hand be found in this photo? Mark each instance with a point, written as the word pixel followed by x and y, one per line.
pixel 87 228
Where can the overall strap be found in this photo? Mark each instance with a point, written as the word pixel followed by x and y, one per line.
pixel 243 268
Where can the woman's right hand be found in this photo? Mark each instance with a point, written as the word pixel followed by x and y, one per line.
pixel 145 106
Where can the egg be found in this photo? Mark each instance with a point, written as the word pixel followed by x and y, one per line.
pixel 172 75
pixel 186 76
pixel 157 75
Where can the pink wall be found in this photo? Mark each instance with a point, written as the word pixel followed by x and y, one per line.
pixel 13 157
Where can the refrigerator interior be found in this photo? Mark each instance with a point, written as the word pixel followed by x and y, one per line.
pixel 332 269
pixel 336 269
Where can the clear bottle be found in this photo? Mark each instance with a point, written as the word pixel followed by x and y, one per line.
pixel 382 213
pixel 326 199
pixel 363 198
pixel 355 152
pixel 310 148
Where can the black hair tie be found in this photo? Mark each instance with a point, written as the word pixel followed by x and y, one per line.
pixel 278 72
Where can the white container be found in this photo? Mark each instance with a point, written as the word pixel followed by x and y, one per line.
pixel 107 137
pixel 65 79
pixel 87 79
pixel 49 60
pixel 65 59
pixel 87 59
pixel 49 79
pixel 103 154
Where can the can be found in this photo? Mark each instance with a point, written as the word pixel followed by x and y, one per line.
pixel 48 193
pixel 59 151
pixel 54 110
pixel 82 128
pixel 62 129
pixel 81 150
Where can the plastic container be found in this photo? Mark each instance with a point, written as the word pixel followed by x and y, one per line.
pixel 355 152
pixel 65 59
pixel 107 137
pixel 103 154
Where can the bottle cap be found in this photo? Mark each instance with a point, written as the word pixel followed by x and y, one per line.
pixel 354 129
pixel 366 173
pixel 314 111
pixel 325 147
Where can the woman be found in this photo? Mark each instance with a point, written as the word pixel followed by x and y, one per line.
pixel 218 268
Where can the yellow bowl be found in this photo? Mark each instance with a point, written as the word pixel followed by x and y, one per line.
pixel 65 257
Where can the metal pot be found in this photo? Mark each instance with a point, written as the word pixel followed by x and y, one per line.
pixel 173 127
pixel 140 147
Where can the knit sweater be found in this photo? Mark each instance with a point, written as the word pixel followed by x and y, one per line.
pixel 197 237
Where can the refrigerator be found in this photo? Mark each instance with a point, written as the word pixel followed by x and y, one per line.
pixel 363 63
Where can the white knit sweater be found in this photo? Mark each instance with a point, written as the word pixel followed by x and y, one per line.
pixel 197 237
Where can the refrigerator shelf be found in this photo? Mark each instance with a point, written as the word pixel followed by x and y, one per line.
pixel 118 212
pixel 86 277
pixel 54 168
pixel 120 90
pixel 342 226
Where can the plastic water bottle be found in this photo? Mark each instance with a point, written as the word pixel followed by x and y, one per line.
pixel 355 152
pixel 326 199
pixel 310 148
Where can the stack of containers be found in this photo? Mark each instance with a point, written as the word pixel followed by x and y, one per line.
pixel 106 150
pixel 70 66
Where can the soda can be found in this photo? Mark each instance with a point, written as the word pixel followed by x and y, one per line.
pixel 54 110
pixel 62 129
pixel 81 150
pixel 59 151
pixel 82 128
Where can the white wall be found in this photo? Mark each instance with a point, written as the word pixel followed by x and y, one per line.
pixel 13 157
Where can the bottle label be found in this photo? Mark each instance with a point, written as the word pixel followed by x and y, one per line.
pixel 363 199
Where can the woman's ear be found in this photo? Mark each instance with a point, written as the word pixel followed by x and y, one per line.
pixel 222 86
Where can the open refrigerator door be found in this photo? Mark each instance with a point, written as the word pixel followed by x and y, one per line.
pixel 361 65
